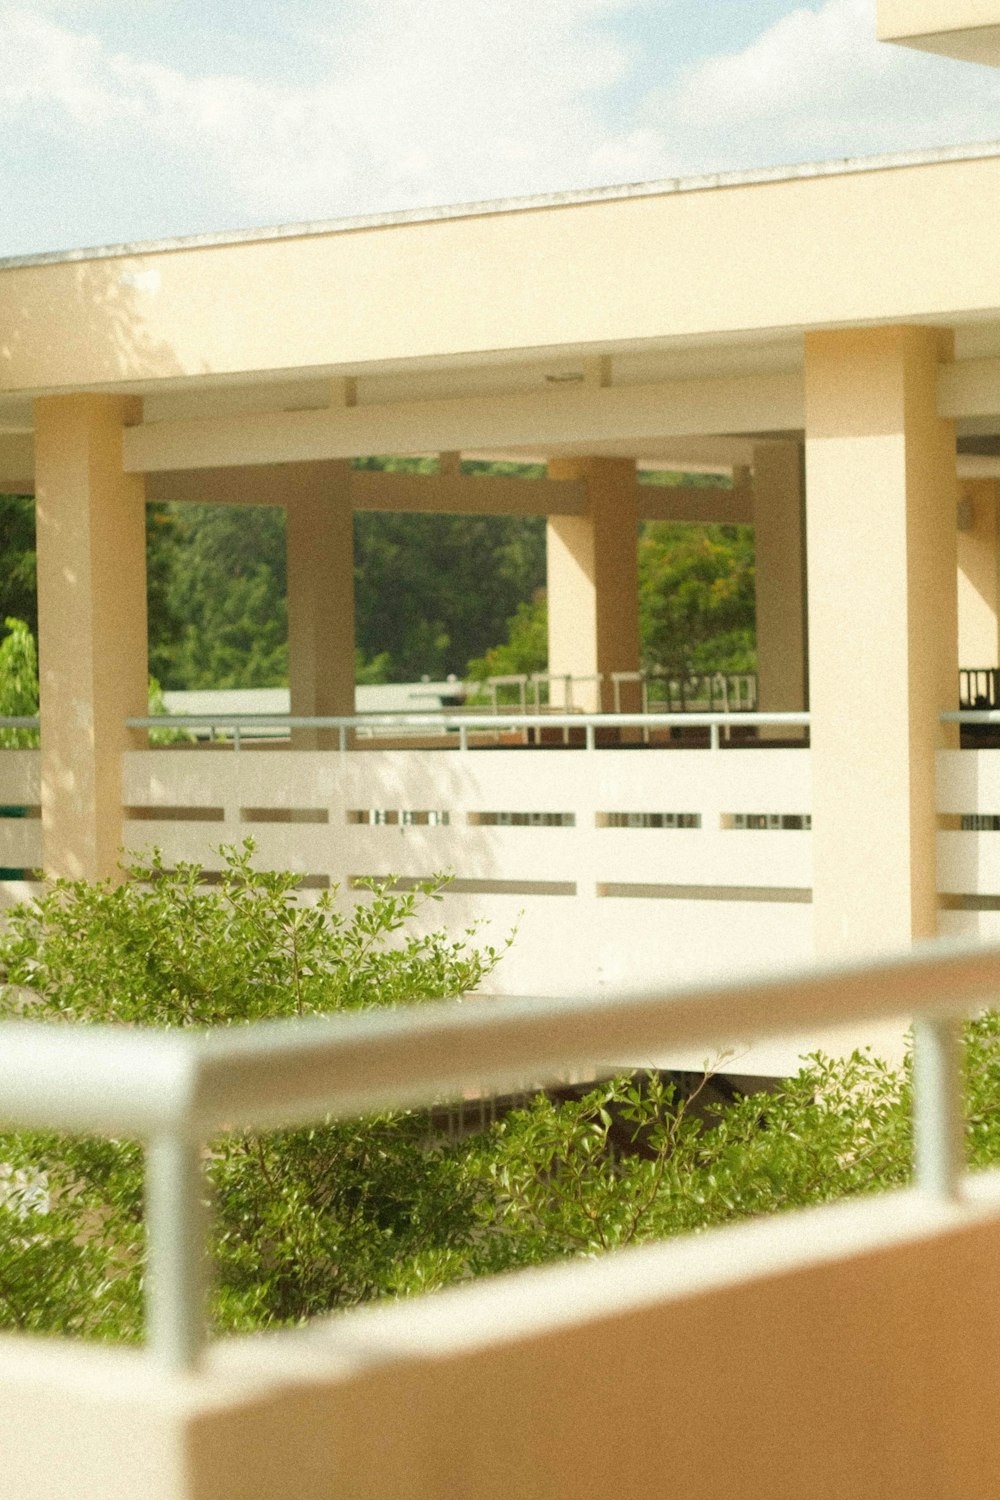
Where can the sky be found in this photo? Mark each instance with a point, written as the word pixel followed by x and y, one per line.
pixel 126 120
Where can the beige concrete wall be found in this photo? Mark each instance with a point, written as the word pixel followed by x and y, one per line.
pixel 779 551
pixel 320 540
pixel 574 276
pixel 978 576
pixel 844 1354
pixel 594 906
pixel 593 578
pixel 91 625
pixel 881 496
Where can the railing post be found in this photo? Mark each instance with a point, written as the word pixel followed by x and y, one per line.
pixel 236 736
pixel 175 1252
pixel 938 1114
pixel 591 739
pixel 713 736
pixel 463 737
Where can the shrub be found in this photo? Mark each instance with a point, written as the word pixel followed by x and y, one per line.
pixel 305 1220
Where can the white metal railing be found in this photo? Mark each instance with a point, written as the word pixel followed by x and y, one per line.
pixel 244 726
pixel 972 716
pixel 727 692
pixel 175 1090
pixel 19 723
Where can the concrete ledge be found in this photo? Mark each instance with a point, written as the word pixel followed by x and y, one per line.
pixel 845 1351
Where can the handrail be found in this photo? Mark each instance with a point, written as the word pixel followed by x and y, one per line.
pixel 19 721
pixel 971 716
pixel 175 1089
pixel 464 721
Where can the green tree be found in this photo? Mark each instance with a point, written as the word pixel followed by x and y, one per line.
pixel 17 559
pixel 19 690
pixel 432 591
pixel 18 683
pixel 696 606
pixel 696 597
pixel 525 650
pixel 217 596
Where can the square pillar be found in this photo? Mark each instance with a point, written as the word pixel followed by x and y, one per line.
pixel 320 543
pixel 593 580
pixel 92 633
pixel 881 491
pixel 978 564
pixel 779 565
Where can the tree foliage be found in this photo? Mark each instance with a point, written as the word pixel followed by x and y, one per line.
pixel 433 591
pixel 217 596
pixel 306 1220
pixel 18 683
pixel 696 597
pixel 17 559
pixel 435 594
pixel 526 648
pixel 317 1219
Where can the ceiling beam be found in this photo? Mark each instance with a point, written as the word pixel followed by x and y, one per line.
pixel 17 463
pixel 702 504
pixel 467 494
pixel 576 415
pixel 443 494
pixel 264 484
pixel 969 388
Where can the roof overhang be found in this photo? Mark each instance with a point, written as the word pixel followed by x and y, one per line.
pixel 737 262
pixel 966 29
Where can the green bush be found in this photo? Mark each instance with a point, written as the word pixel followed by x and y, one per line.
pixel 306 1220
pixel 312 1220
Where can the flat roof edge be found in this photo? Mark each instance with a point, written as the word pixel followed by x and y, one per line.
pixel 700 183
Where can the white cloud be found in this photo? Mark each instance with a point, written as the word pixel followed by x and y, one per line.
pixel 423 101
pixel 817 83
pixel 414 102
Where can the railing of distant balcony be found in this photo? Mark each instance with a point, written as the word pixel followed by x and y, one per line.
pixel 736 694
pixel 177 1090
pixel 708 692
pixel 460 725
pixel 28 722
pixel 972 716
pixel 979 688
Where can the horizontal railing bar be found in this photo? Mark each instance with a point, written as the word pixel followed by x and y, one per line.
pixel 513 718
pixel 290 1072
pixel 101 1078
pixel 18 721
pixel 972 716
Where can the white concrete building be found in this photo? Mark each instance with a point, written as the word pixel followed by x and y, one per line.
pixel 829 333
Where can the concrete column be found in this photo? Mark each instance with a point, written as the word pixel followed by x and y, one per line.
pixel 779 551
pixel 91 625
pixel 593 579
pixel 881 491
pixel 978 565
pixel 320 542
